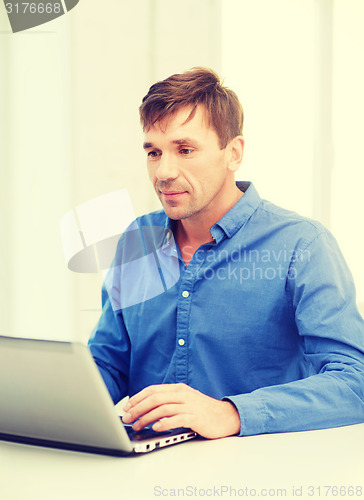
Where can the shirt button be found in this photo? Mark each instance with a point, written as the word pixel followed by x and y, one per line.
pixel 181 342
pixel 185 294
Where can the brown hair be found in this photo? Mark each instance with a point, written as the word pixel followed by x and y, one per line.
pixel 197 86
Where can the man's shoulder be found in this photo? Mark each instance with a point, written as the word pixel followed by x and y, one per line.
pixel 270 217
pixel 290 219
pixel 144 234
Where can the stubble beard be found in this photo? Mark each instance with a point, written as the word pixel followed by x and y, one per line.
pixel 176 213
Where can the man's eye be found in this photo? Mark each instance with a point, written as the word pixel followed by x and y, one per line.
pixel 186 151
pixel 152 154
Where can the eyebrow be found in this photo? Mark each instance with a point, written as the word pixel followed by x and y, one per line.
pixel 181 142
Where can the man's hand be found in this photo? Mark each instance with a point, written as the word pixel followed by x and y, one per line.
pixel 178 405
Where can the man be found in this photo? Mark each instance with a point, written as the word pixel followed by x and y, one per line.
pixel 258 331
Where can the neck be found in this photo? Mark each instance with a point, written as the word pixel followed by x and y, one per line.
pixel 194 231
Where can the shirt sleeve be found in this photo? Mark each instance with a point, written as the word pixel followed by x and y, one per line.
pixel 109 344
pixel 321 294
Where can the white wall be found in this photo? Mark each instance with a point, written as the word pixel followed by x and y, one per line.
pixel 267 57
pixel 35 181
pixel 5 226
pixel 348 132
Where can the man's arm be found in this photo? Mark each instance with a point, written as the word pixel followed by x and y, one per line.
pixel 110 347
pixel 321 294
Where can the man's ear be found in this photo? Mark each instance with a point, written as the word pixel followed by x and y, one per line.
pixel 236 152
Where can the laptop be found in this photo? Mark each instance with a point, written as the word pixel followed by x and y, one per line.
pixel 52 394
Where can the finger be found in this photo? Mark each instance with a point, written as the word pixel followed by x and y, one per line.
pixel 168 423
pixel 151 403
pixel 161 412
pixel 153 389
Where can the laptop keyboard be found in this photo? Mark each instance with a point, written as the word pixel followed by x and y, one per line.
pixel 147 433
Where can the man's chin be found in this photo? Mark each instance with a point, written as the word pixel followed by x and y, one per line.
pixel 176 210
pixel 173 215
pixel 176 213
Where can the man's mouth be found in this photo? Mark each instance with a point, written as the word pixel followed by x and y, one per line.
pixel 172 194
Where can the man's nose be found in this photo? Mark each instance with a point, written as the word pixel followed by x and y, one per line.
pixel 167 169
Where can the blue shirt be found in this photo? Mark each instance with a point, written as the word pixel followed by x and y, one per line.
pixel 265 316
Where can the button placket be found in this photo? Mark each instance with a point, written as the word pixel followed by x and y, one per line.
pixel 183 322
pixel 183 317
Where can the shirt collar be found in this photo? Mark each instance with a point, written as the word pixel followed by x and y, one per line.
pixel 239 214
pixel 234 219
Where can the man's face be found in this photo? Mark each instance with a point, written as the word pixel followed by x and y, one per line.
pixel 188 169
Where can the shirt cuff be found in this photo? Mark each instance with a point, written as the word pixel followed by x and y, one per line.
pixel 252 412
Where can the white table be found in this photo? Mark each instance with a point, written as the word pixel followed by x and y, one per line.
pixel 275 466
